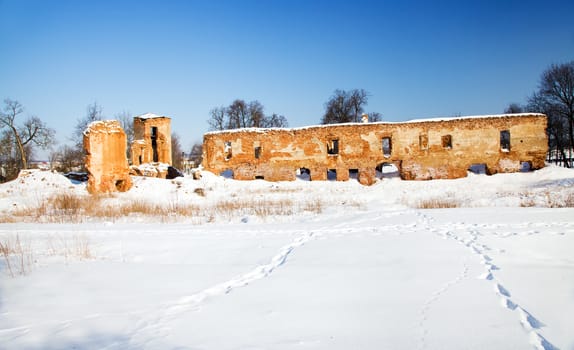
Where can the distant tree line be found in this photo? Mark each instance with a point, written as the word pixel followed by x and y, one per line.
pixel 555 98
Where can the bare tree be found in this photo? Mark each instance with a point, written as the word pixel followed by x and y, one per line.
pixel 176 151
pixel 196 154
pixel 67 158
pixel 237 115
pixel 337 109
pixel 557 126
pixel 557 87
pixel 375 117
pixel 93 113
pixel 32 132
pixel 8 158
pixel 357 100
pixel 514 108
pixel 346 107
pixel 275 121
pixel 555 98
pixel 127 122
pixel 217 118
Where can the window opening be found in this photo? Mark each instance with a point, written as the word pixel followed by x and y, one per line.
pixel 227 150
pixel 228 174
pixel 259 177
pixel 333 147
pixel 387 146
pixel 478 168
pixel 387 170
pixel 120 184
pixel 505 141
pixel 155 155
pixel 447 142
pixel 424 141
pixel 304 174
pixel 257 152
pixel 332 174
pixel 525 167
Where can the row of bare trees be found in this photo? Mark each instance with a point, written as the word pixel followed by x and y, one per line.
pixel 342 107
pixel 555 98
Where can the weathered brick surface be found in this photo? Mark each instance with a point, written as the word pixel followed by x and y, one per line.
pixel 149 146
pixel 419 149
pixel 106 162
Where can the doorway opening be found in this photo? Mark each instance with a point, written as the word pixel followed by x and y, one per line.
pixel 387 170
pixel 155 156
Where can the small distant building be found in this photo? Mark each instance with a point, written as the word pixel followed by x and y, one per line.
pixel 152 139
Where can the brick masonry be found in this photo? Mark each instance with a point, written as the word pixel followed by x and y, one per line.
pixel 152 140
pixel 421 150
pixel 106 162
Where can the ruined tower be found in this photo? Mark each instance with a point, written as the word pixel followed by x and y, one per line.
pixel 106 162
pixel 152 139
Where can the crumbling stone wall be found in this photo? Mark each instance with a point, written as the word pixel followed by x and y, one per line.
pixel 421 150
pixel 152 140
pixel 106 162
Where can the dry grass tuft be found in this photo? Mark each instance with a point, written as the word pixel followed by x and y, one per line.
pixel 559 200
pixel 547 199
pixel 7 219
pixel 20 256
pixel 74 208
pixel 527 199
pixel 315 206
pixel 17 256
pixel 437 203
pixel 62 207
pixel 66 202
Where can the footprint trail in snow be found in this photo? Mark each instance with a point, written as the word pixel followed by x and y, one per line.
pixel 529 323
pixel 153 327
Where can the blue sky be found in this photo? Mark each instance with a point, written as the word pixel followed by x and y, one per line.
pixel 417 59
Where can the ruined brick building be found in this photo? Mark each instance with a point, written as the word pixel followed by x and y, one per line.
pixel 443 148
pixel 105 145
pixel 152 139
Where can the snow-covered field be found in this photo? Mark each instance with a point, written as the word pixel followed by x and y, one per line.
pixel 338 266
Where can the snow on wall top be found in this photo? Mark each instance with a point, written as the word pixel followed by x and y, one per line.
pixel 150 116
pixel 426 120
pixel 108 126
